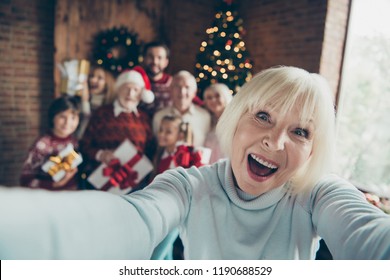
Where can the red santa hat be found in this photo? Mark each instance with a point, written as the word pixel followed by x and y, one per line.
pixel 138 76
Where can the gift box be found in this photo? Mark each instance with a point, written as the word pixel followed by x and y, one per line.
pixel 124 173
pixel 205 154
pixel 66 160
pixel 187 156
pixel 73 74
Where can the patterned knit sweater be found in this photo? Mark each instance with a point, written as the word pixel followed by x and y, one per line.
pixel 105 131
pixel 48 145
pixel 162 95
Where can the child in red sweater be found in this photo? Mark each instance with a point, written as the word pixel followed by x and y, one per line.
pixel 174 145
pixel 63 118
pixel 174 149
pixel 111 124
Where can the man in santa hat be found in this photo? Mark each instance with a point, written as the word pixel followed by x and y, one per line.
pixel 111 124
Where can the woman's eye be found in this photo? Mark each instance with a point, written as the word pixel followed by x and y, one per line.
pixel 302 132
pixel 263 116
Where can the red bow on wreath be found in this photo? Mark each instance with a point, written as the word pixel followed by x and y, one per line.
pixel 122 176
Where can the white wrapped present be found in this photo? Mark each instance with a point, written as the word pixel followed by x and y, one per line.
pixel 73 74
pixel 124 173
pixel 205 154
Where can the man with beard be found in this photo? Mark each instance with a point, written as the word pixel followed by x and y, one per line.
pixel 155 62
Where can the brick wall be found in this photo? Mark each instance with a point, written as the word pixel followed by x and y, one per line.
pixel 186 22
pixel 305 33
pixel 285 32
pixel 26 78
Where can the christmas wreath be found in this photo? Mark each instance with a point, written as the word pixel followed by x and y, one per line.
pixel 116 49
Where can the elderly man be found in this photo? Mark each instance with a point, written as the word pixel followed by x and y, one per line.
pixel 183 91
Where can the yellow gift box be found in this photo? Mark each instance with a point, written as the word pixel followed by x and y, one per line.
pixel 66 160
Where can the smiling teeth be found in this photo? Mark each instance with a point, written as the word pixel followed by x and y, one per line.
pixel 263 162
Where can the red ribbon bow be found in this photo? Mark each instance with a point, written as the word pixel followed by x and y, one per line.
pixel 186 156
pixel 121 176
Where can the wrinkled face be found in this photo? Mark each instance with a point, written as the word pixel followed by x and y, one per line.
pixel 97 81
pixel 268 149
pixel 214 101
pixel 65 123
pixel 168 134
pixel 182 94
pixel 129 95
pixel 155 62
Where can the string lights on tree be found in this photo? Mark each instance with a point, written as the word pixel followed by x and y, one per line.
pixel 116 49
pixel 223 56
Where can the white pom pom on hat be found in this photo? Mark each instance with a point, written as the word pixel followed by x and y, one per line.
pixel 138 76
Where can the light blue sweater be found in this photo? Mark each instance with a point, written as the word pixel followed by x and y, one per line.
pixel 217 221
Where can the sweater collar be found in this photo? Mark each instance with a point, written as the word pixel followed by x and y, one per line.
pixel 118 109
pixel 60 139
pixel 190 111
pixel 244 200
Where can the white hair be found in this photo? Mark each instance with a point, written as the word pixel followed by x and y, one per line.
pixel 282 88
pixel 184 74
pixel 222 89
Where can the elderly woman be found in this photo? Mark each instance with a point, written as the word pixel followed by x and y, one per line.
pixel 271 199
pixel 216 98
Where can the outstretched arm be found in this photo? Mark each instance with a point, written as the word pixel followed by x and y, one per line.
pixel 41 224
pixel 351 227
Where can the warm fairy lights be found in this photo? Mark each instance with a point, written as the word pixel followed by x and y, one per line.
pixel 223 56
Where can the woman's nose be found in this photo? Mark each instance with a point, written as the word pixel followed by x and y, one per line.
pixel 275 140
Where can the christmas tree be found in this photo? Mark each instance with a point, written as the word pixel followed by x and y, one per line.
pixel 223 57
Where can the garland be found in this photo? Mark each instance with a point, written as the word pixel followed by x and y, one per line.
pixel 116 49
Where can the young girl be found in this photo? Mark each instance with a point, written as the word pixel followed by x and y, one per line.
pixel 63 118
pixel 100 85
pixel 174 149
pixel 98 91
pixel 174 145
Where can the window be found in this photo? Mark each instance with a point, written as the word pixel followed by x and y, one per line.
pixel 363 118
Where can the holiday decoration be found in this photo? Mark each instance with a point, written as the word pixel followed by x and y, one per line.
pixel 223 57
pixel 186 156
pixel 58 165
pixel 121 175
pixel 116 49
pixel 73 74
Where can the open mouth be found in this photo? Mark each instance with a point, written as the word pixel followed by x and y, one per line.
pixel 261 167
